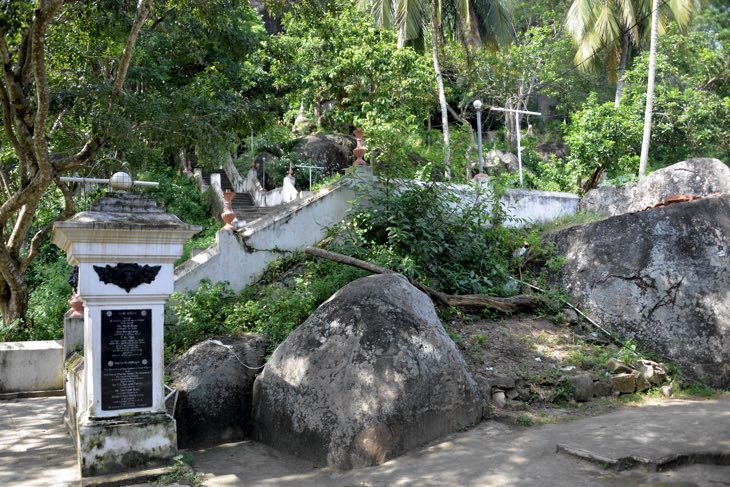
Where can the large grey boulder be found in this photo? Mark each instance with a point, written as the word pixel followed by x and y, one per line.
pixel 698 177
pixel 661 276
pixel 369 375
pixel 332 152
pixel 215 387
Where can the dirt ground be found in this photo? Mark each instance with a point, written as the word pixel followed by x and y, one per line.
pixel 538 353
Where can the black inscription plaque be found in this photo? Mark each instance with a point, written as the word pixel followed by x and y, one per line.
pixel 126 359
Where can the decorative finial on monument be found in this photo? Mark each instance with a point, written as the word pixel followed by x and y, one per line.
pixel 228 215
pixel 291 171
pixel 121 181
pixel 359 150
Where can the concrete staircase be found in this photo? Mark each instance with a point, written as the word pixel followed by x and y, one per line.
pixel 242 204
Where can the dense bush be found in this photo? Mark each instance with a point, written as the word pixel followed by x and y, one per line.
pixel 453 240
pixel 269 307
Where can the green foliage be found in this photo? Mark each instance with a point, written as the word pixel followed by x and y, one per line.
pixel 697 390
pixel 524 420
pixel 564 391
pixel 49 298
pixel 602 135
pixel 691 110
pixel 691 100
pixel 276 311
pixel 480 339
pixel 182 473
pixel 199 314
pixel 180 196
pixel 332 53
pixel 448 239
pixel 273 310
pixel 47 280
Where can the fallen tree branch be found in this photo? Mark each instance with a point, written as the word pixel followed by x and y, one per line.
pixel 508 305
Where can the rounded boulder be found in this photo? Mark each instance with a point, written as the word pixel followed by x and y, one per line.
pixel 370 375
pixel 215 380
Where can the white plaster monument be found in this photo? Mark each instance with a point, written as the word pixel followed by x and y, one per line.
pixel 125 248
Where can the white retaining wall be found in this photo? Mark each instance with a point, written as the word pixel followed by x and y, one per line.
pixel 238 257
pixel 31 366
pixel 527 206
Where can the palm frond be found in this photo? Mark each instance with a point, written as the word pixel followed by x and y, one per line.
pixel 628 19
pixel 380 10
pixel 580 15
pixel 410 19
pixel 607 22
pixel 492 21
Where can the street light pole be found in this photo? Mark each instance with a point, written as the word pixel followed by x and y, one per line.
pixel 478 107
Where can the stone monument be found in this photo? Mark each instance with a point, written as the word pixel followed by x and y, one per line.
pixel 125 248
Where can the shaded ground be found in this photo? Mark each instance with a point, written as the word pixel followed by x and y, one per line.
pixel 35 450
pixel 496 454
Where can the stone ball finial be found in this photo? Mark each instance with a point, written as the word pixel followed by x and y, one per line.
pixel 121 181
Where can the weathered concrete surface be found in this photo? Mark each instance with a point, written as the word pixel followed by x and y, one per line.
pixel 31 366
pixel 662 277
pixel 524 207
pixel 700 177
pixel 126 443
pixel 370 374
pixel 215 389
pixel 494 454
pixel 35 449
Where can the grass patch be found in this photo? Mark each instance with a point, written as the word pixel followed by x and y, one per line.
pixel 569 221
pixel 524 420
pixel 182 473
pixel 699 391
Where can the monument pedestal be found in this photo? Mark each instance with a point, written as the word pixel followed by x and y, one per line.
pixel 117 444
pixel 125 248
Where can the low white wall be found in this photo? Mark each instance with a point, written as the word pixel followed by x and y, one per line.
pixel 522 206
pixel 529 206
pixel 31 366
pixel 239 256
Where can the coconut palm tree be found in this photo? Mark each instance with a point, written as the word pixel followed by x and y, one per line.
pixel 474 22
pixel 605 30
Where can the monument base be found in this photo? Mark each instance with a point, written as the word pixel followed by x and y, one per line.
pixel 107 445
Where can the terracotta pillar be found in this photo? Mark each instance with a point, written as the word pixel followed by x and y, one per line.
pixel 228 215
pixel 359 150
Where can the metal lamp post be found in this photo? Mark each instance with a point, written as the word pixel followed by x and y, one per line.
pixel 478 108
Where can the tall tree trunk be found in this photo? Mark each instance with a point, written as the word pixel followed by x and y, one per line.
pixel 622 69
pixel 509 124
pixel 435 33
pixel 650 89
pixel 24 123
pixel 13 300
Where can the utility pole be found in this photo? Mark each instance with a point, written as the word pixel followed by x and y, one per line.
pixel 519 136
pixel 478 108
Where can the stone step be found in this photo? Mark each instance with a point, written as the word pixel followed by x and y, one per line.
pixel 225 182
pixel 242 204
